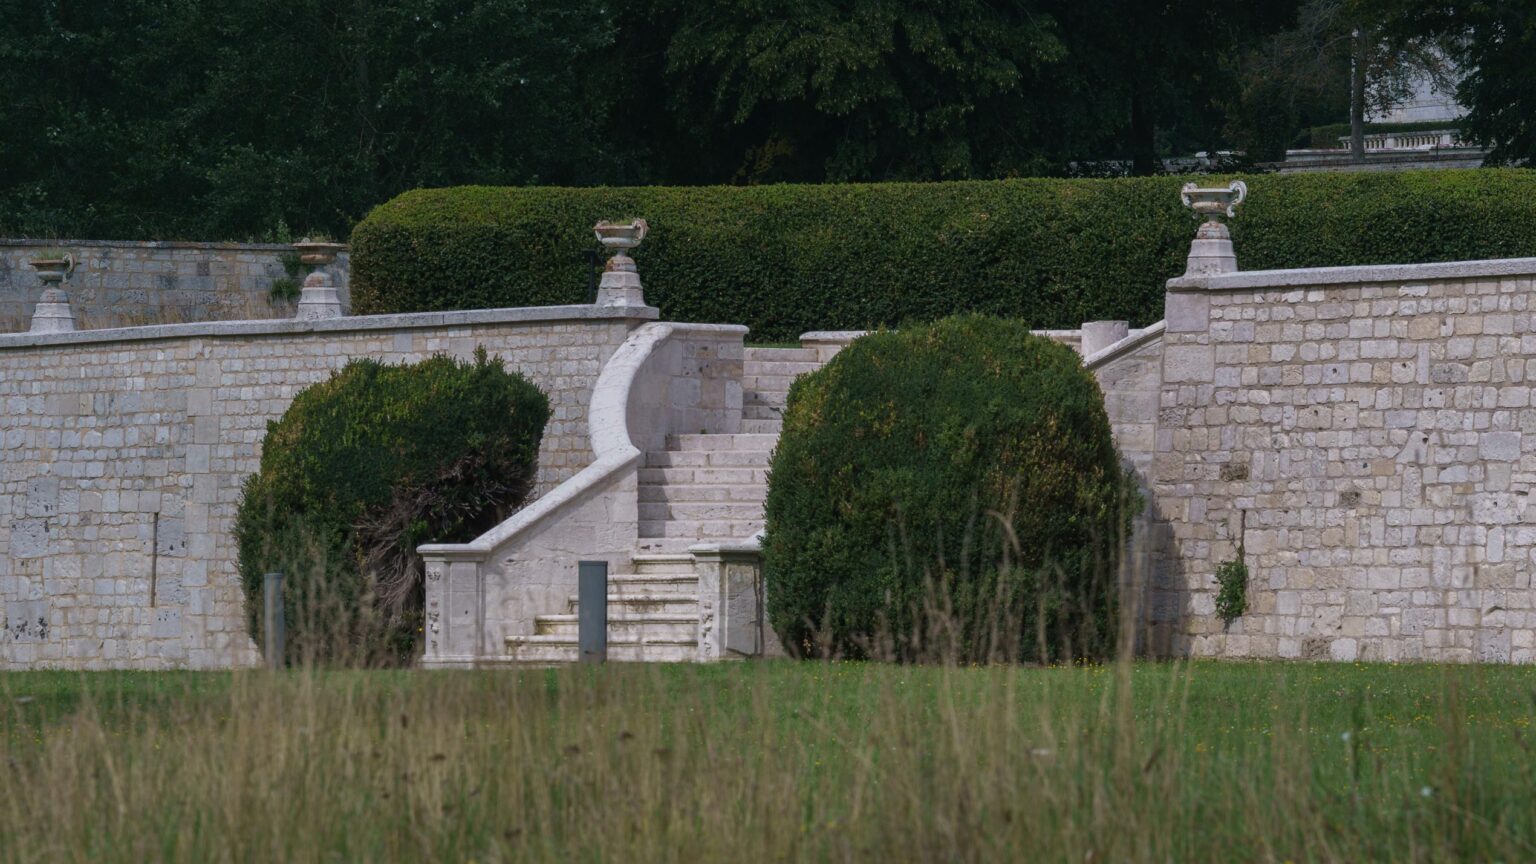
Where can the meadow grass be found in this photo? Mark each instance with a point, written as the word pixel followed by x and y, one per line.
pixel 773 761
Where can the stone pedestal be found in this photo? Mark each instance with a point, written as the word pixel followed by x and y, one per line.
pixel 53 314
pixel 319 299
pixel 620 285
pixel 1211 252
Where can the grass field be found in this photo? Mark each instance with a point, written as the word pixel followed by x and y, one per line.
pixel 774 762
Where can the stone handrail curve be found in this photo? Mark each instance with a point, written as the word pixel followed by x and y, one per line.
pixel 614 451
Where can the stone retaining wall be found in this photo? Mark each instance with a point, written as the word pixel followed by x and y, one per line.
pixel 1369 436
pixel 124 283
pixel 124 453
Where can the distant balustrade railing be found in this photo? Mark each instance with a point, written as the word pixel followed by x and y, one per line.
pixel 1408 140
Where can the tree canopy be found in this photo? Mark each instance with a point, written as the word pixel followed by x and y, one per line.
pixel 1492 42
pixel 238 119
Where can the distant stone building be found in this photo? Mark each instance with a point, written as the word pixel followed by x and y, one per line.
pixel 1424 147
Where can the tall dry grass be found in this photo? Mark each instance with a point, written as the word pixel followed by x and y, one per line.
pixel 761 762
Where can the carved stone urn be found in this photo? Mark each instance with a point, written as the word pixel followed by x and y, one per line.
pixel 53 314
pixel 1212 250
pixel 620 285
pixel 319 299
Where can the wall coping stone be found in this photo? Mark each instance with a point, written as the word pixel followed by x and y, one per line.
pixel 22 242
pixel 1311 277
pixel 286 326
pixel 830 337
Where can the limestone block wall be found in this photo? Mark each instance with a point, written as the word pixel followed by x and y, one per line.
pixel 1130 375
pixel 124 283
pixel 124 452
pixel 1369 436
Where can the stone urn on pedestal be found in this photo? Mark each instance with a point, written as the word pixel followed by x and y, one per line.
pixel 53 314
pixel 319 299
pixel 1212 252
pixel 620 285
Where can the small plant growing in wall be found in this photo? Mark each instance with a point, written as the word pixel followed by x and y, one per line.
pixel 1232 583
pixel 287 287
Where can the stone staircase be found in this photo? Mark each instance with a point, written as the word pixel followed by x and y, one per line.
pixel 700 489
pixel 766 376
pixel 653 616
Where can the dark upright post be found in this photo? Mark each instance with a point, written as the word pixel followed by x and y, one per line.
pixel 592 610
pixel 273 626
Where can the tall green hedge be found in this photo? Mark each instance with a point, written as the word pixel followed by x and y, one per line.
pixel 791 258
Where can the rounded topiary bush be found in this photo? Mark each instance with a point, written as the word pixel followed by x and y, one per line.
pixel 359 471
pixel 947 491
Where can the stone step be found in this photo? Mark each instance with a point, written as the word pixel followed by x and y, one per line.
pixel 659 604
pixel 699 492
pixel 769 398
pixel 709 458
pixel 713 443
pixel 654 585
pixel 761 411
pixel 778 368
pixel 563 649
pixel 764 426
pixel 667 544
pixel 700 511
pixel 699 530
pixel 781 355
pixel 707 476
pixel 767 383
pixel 669 565
pixel 648 626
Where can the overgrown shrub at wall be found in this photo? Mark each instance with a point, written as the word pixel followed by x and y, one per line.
pixel 946 491
pixel 792 258
pixel 359 471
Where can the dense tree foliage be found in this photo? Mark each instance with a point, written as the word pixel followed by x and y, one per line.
pixel 263 120
pixel 242 119
pixel 1493 42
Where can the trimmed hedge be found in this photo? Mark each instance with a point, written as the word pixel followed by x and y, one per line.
pixel 791 258
pixel 947 491
pixel 359 471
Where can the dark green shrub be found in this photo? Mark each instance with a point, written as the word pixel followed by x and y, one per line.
pixel 363 468
pixel 949 490
pixel 787 259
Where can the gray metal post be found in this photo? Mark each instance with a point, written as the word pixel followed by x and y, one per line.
pixel 592 610
pixel 273 626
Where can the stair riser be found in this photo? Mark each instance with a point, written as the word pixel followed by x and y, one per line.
pixel 699 459
pixel 706 511
pixel 703 476
pixel 616 653
pixel 620 606
pixel 703 531
pixel 716 443
pixel 775 369
pixel 691 493
pixel 621 630
pixel 753 356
